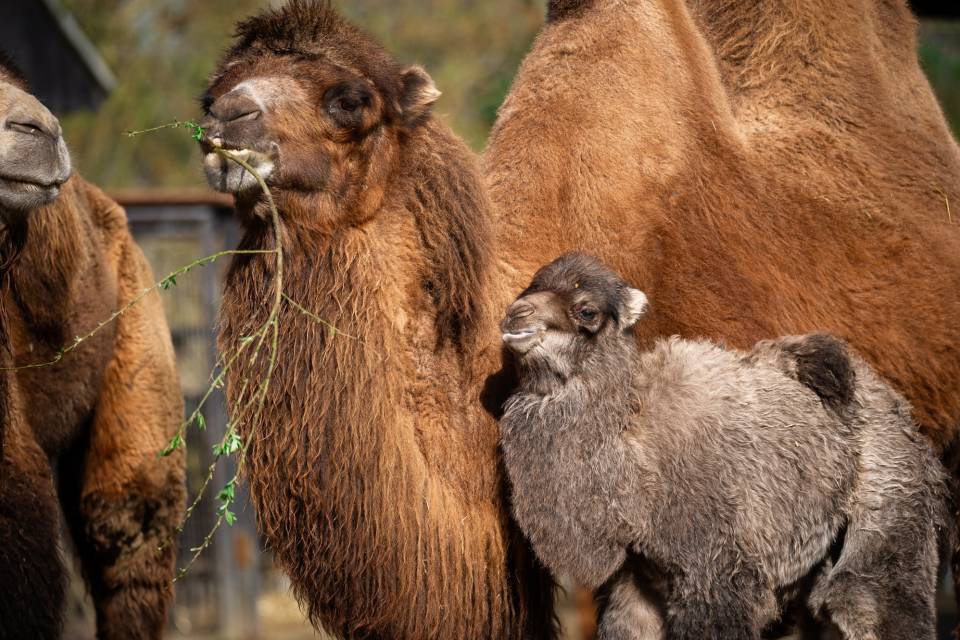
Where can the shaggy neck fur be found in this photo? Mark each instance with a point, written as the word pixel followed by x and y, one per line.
pixel 569 386
pixel 38 257
pixel 367 426
pixel 558 432
pixel 48 258
pixel 61 286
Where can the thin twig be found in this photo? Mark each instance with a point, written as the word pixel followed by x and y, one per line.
pixel 176 124
pixel 165 283
pixel 317 319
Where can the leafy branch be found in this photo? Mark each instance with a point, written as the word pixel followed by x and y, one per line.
pixel 232 443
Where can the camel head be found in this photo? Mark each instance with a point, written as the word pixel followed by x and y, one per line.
pixel 315 106
pixel 574 307
pixel 34 161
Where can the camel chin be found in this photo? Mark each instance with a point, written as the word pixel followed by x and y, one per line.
pixel 22 196
pixel 230 177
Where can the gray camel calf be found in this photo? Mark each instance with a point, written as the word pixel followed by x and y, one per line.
pixel 725 484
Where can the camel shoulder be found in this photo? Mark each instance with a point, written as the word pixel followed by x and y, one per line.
pixel 110 230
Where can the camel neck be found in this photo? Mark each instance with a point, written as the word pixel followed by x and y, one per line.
pixel 50 257
pixel 601 385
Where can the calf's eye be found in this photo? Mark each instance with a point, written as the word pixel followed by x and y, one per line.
pixel 587 315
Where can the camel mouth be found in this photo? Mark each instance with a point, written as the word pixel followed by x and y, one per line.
pixel 521 341
pixel 227 176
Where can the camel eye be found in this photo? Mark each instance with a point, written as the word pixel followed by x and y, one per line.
pixel 349 104
pixel 587 315
pixel 346 104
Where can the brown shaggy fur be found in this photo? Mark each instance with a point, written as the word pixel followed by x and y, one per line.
pixel 759 168
pixel 96 420
pixel 374 469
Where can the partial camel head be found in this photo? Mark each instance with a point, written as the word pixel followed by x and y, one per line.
pixel 34 161
pixel 315 106
pixel 574 308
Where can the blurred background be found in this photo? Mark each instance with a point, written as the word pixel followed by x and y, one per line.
pixel 109 66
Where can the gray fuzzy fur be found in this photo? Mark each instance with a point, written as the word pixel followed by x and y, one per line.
pixel 723 477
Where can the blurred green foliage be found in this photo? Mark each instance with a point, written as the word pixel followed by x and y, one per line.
pixel 162 50
pixel 940 57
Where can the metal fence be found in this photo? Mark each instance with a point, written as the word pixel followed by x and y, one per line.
pixel 218 596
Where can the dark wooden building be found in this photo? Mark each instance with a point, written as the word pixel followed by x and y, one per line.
pixel 64 69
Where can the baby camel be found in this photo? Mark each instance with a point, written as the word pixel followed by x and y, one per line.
pixel 726 483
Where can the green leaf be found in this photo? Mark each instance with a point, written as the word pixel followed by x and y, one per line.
pixel 169 281
pixel 226 494
pixel 201 422
pixel 230 445
pixel 233 443
pixel 229 517
pixel 174 444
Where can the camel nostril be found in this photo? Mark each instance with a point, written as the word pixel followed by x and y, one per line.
pixel 234 107
pixel 241 117
pixel 29 127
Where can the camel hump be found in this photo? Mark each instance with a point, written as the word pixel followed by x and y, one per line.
pixel 822 363
pixel 561 9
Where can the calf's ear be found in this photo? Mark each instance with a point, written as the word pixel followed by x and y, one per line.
pixel 636 306
pixel 418 94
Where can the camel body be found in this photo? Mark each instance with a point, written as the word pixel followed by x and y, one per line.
pixel 729 483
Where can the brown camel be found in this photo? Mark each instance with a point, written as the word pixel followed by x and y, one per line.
pixel 373 469
pixel 86 431
pixel 699 152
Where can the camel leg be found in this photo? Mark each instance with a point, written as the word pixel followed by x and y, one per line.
pixel 628 611
pixel 884 585
pixel 32 576
pixel 123 502
pixel 735 608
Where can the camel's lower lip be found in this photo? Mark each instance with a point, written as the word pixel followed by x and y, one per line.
pixel 38 192
pixel 29 185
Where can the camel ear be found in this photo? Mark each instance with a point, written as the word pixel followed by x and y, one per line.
pixel 636 307
pixel 419 93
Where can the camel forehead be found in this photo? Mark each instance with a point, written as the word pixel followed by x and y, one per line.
pixel 12 96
